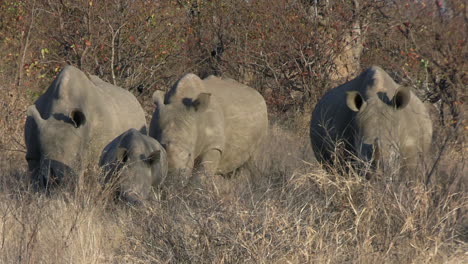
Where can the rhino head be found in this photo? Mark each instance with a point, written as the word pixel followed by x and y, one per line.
pixel 175 124
pixel 375 125
pixel 136 170
pixel 61 140
pixel 135 164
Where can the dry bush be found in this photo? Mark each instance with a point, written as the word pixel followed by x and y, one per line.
pixel 424 45
pixel 146 45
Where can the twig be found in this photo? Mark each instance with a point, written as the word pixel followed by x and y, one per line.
pixel 26 45
pixel 13 150
pixel 114 35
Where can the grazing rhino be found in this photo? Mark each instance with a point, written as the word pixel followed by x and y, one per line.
pixel 214 124
pixel 69 125
pixel 136 162
pixel 375 119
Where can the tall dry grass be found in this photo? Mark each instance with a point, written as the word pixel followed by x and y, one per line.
pixel 281 208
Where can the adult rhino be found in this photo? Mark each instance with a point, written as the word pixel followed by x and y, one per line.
pixel 375 120
pixel 215 124
pixel 135 163
pixel 69 125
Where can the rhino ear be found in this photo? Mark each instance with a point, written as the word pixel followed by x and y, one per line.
pixel 122 155
pixel 355 101
pixel 158 98
pixel 154 157
pixel 401 98
pixel 202 102
pixel 78 117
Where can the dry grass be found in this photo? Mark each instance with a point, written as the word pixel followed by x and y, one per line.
pixel 283 208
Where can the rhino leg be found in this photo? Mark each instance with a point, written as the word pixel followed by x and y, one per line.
pixel 204 177
pixel 412 167
pixel 209 161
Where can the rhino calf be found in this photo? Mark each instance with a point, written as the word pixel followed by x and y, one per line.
pixel 375 120
pixel 215 124
pixel 135 163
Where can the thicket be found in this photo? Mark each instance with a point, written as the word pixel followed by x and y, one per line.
pixel 291 51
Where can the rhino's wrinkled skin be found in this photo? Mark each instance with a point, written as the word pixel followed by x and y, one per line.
pixel 375 120
pixel 69 125
pixel 135 163
pixel 214 124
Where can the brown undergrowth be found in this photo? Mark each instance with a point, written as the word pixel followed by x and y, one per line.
pixel 281 208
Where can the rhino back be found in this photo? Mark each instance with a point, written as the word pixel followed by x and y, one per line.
pixel 120 105
pixel 245 120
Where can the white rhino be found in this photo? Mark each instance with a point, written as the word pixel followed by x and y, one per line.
pixel 135 163
pixel 69 125
pixel 215 124
pixel 375 119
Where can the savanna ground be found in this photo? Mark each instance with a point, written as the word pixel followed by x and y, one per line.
pixel 283 208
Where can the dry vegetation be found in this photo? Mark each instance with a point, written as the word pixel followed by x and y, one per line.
pixel 282 208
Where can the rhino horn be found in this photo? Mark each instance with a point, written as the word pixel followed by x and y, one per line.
pixel 32 112
pixel 158 98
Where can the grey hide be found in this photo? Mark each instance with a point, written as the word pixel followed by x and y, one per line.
pixel 375 120
pixel 135 163
pixel 214 124
pixel 69 125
